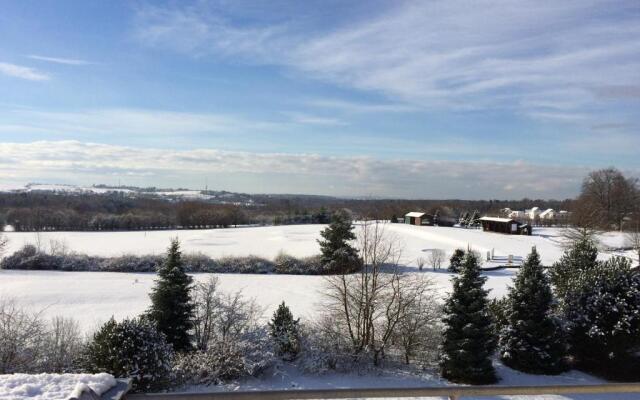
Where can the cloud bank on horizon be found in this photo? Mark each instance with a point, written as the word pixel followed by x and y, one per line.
pixel 398 99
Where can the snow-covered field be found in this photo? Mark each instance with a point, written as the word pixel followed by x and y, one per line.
pixel 93 297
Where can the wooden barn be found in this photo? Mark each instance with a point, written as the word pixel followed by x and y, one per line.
pixel 418 218
pixel 504 225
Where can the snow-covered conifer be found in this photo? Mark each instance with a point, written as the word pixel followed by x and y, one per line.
pixel 532 340
pixel 469 340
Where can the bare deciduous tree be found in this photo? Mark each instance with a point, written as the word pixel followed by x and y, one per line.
pixel 4 243
pixel 63 344
pixel 436 258
pixel 207 302
pixel 633 241
pixel 22 336
pixel 222 317
pixel 368 306
pixel 417 333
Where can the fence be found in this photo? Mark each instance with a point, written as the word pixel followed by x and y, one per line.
pixel 450 392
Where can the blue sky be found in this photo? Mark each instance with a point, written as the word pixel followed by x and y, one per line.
pixel 436 99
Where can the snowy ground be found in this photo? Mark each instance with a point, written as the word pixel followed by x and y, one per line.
pixel 300 240
pixel 52 386
pixel 93 297
pixel 289 378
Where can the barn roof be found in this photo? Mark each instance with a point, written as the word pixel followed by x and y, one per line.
pixel 415 214
pixel 496 219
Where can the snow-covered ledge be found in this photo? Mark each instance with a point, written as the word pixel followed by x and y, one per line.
pixel 62 386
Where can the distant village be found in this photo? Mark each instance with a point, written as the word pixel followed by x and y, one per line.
pixel 515 222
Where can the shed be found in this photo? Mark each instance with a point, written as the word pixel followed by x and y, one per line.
pixel 501 225
pixel 418 218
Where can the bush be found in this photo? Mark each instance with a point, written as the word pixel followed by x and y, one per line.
pixel 30 258
pixel 133 348
pixel 22 339
pixel 250 354
pixel 602 312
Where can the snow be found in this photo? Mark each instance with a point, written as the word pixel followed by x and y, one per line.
pixel 301 240
pixel 52 386
pixel 288 377
pixel 93 297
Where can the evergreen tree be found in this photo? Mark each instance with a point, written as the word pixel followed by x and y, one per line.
pixel 436 217
pixel 455 262
pixel 532 341
pixel 469 340
pixel 602 312
pixel 134 349
pixel 171 306
pixel 285 332
pixel 338 255
pixel 582 256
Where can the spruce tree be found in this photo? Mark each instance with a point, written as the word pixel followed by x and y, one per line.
pixel 171 306
pixel 338 255
pixel 582 256
pixel 469 340
pixel 532 340
pixel 285 332
pixel 455 262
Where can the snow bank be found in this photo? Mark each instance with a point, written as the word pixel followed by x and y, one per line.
pixel 52 386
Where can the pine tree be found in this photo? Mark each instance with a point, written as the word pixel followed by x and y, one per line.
pixel 469 340
pixel 337 253
pixel 285 332
pixel 455 262
pixel 581 257
pixel 532 341
pixel 171 306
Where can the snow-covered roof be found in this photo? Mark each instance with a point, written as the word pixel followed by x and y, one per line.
pixel 496 219
pixel 546 212
pixel 414 214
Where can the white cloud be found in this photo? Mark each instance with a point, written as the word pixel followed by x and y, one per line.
pixel 59 60
pixel 122 121
pixel 280 172
pixel 453 54
pixel 18 71
pixel 359 107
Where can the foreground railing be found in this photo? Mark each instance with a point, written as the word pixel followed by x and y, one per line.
pixel 452 392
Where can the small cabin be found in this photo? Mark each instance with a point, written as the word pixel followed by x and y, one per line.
pixel 504 225
pixel 418 218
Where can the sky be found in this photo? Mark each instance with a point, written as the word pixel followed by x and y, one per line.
pixel 404 99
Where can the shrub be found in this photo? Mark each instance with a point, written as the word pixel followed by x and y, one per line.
pixel 602 312
pixel 133 348
pixel 22 339
pixel 284 332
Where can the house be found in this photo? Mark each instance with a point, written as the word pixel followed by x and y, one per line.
pixel 547 214
pixel 504 225
pixel 532 213
pixel 418 218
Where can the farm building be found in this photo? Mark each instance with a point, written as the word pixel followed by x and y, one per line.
pixel 418 218
pixel 504 225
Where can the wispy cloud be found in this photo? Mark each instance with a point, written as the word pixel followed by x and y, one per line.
pixel 360 107
pixel 19 71
pixel 59 60
pixel 282 172
pixel 126 121
pixel 438 54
